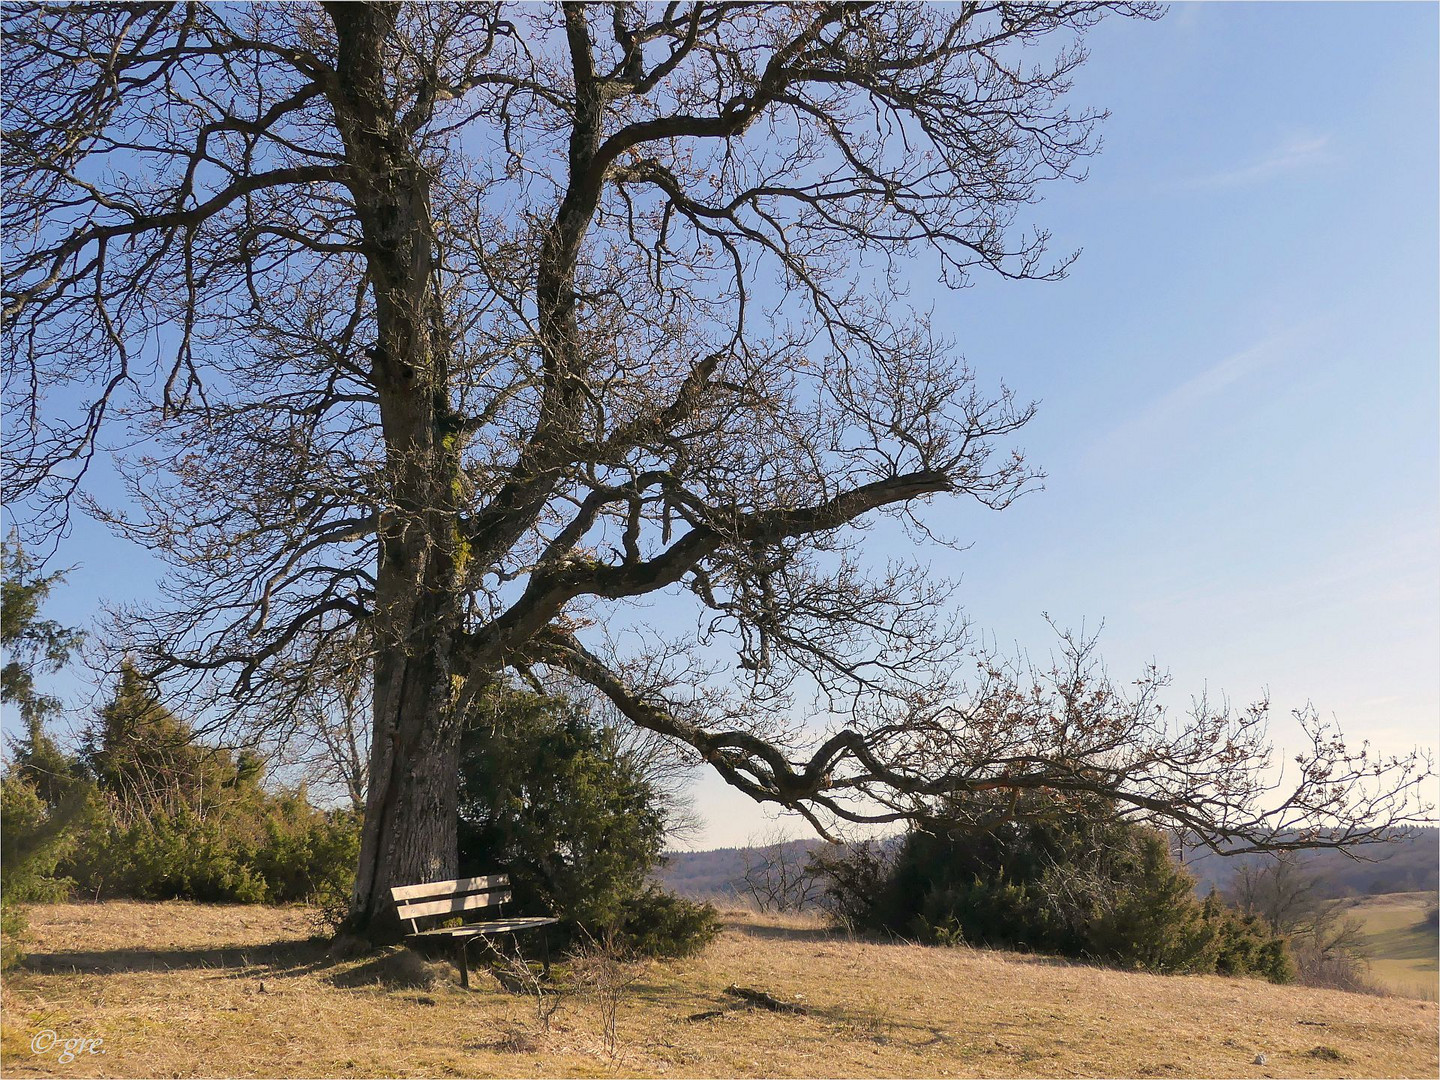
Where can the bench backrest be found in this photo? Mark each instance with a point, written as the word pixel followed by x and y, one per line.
pixel 414 902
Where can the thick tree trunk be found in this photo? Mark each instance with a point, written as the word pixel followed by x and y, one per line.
pixel 410 826
pixel 409 834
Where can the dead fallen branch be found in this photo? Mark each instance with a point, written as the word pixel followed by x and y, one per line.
pixel 765 1000
pixel 750 997
pixel 708 1014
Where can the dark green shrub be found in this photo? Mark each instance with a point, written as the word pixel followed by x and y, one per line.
pixel 34 842
pixel 1045 877
pixel 1074 884
pixel 269 849
pixel 659 923
pixel 166 817
pixel 34 838
pixel 859 882
pixel 307 854
pixel 549 794
pixel 13 922
pixel 1244 945
pixel 1151 920
pixel 39 799
pixel 165 856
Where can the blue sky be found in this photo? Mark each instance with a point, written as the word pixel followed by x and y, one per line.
pixel 1238 380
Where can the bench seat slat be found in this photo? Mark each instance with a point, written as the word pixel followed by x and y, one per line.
pixel 451 904
pixel 497 926
pixel 447 888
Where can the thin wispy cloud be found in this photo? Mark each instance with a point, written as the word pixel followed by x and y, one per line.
pixel 1156 422
pixel 1383 580
pixel 1290 155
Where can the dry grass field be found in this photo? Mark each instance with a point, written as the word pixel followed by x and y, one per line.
pixel 186 990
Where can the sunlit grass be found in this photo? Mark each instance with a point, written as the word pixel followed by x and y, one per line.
pixel 175 990
pixel 1402 948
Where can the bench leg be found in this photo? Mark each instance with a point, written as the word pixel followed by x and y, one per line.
pixel 464 963
pixel 545 950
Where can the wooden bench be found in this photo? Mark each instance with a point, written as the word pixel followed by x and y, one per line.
pixel 443 899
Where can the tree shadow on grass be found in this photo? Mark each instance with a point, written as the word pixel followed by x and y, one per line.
pixel 788 933
pixel 287 957
pixel 1414 942
pixel 822 934
pixel 397 968
pixel 667 996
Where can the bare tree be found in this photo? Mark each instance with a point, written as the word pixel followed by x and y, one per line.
pixel 1278 889
pixel 329 733
pixel 454 327
pixel 779 874
pixel 1327 943
pixel 520 975
pixel 606 970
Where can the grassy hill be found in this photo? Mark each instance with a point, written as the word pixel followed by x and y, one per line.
pixel 1402 945
pixel 180 989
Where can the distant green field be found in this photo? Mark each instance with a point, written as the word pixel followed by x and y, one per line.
pixel 1401 946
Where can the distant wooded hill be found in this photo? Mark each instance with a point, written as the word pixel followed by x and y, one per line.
pixel 717 872
pixel 1410 865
